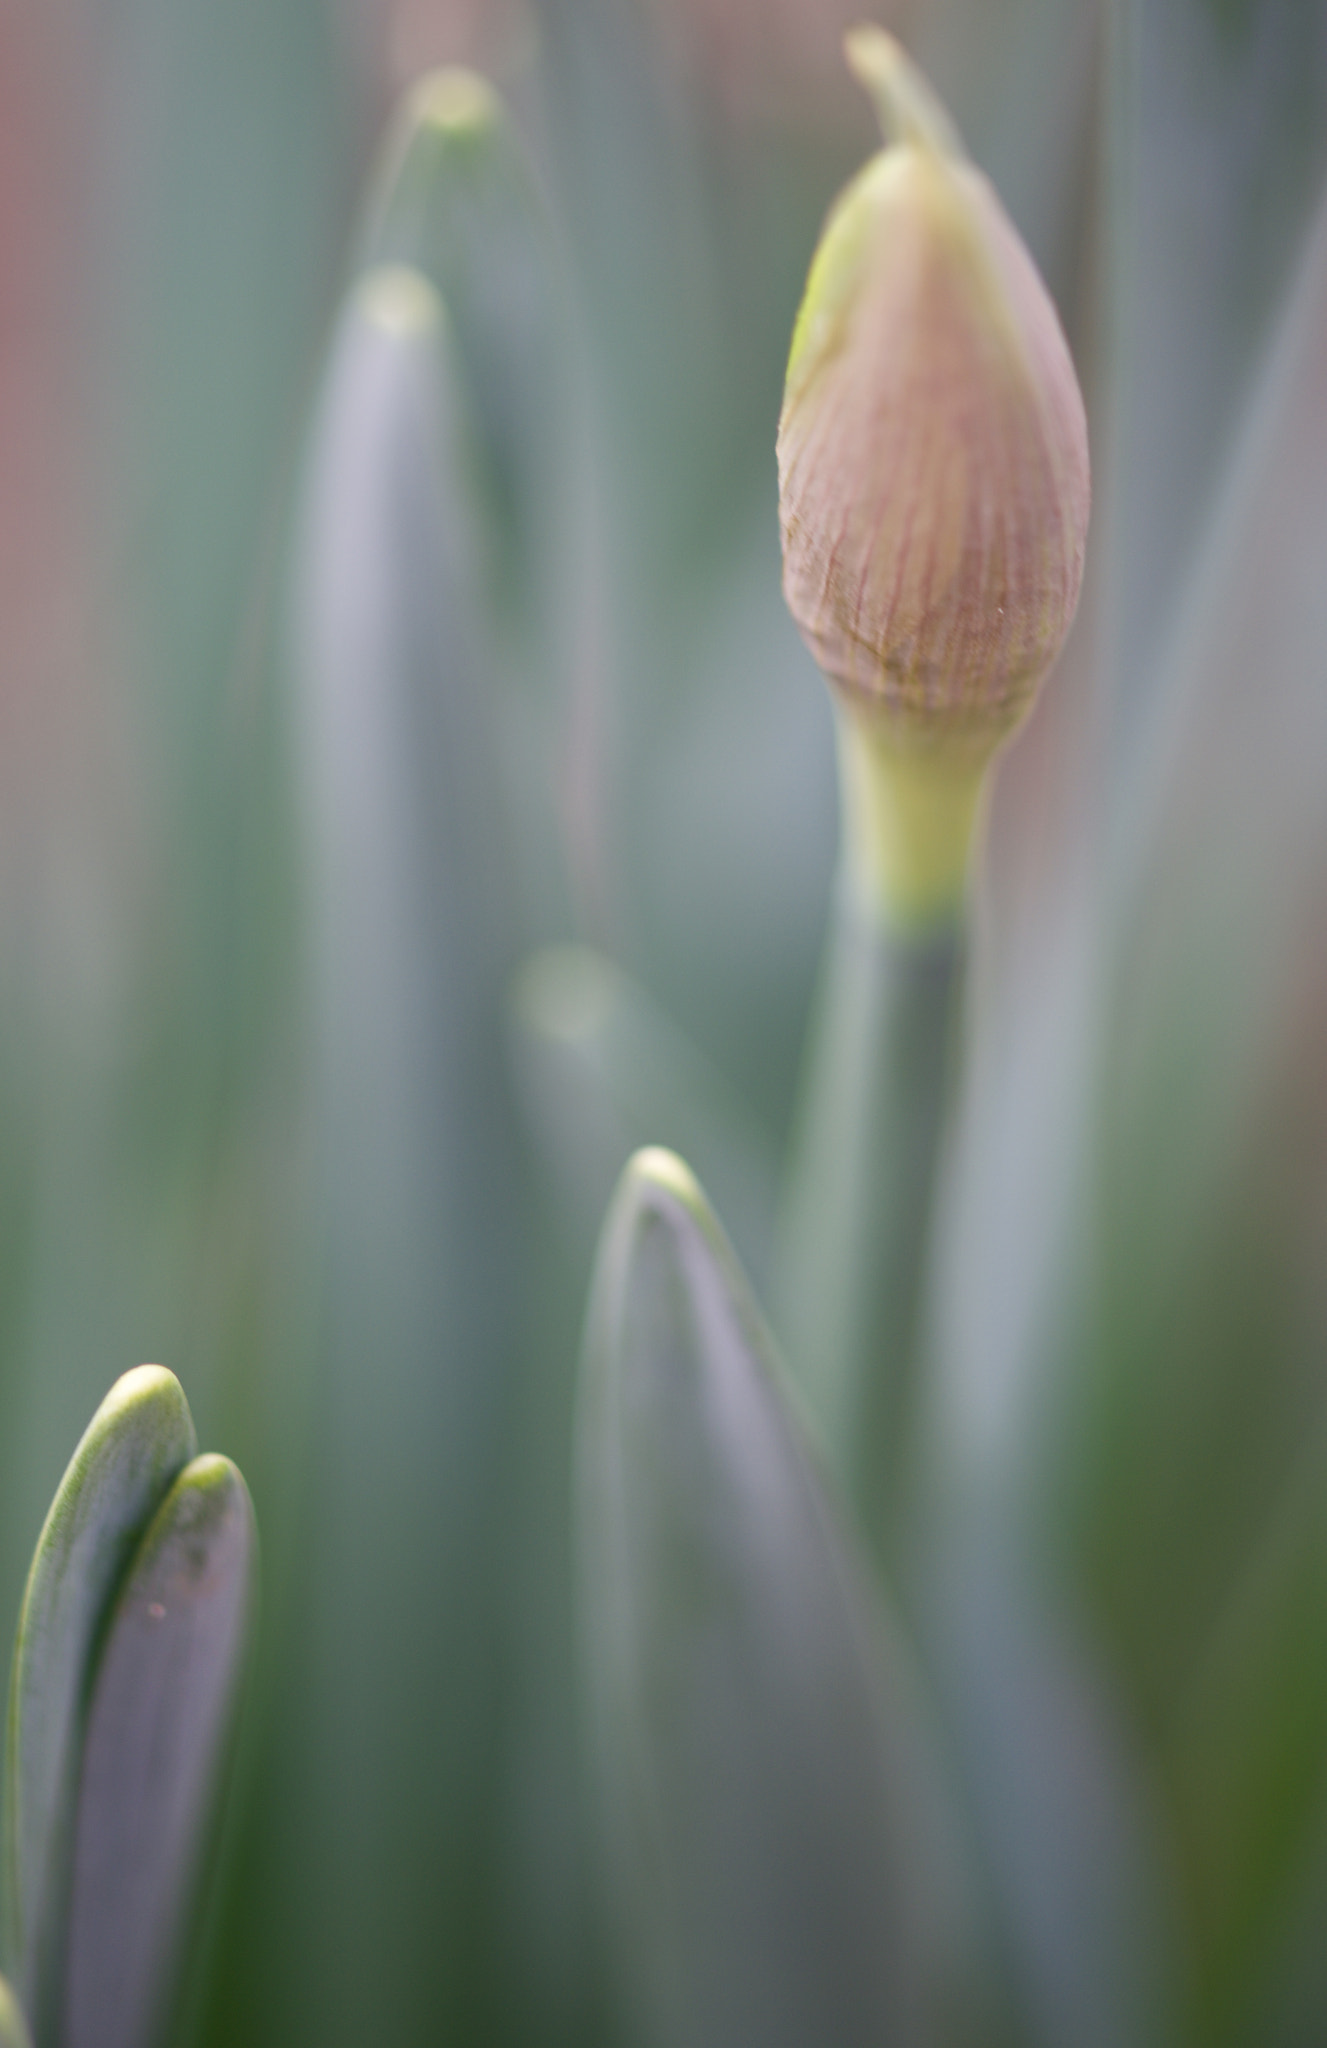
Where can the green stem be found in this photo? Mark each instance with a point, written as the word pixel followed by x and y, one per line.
pixel 855 1226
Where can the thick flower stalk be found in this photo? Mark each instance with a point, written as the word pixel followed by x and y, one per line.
pixel 933 481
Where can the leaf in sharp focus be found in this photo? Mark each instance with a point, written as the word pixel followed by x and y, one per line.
pixel 138 1440
pixel 13 2030
pixel 782 1871
pixel 159 1724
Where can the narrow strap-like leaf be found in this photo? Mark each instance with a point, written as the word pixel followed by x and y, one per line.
pixel 136 1443
pixel 456 200
pixel 604 1070
pixel 771 1816
pixel 420 1211
pixel 13 2029
pixel 159 1724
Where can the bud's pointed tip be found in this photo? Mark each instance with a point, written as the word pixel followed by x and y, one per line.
pixel 906 108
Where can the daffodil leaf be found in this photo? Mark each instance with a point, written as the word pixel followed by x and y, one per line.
pixel 138 1440
pixel 1216 130
pixel 419 1209
pixel 1070 1847
pixel 604 1071
pixel 456 201
pixel 159 1725
pixel 769 1809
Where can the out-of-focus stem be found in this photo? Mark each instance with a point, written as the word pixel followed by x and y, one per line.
pixel 859 1195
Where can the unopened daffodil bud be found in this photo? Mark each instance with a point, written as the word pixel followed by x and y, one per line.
pixel 933 482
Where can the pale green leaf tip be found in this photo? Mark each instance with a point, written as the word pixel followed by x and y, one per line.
pixel 204 1494
pixel 907 109
pixel 453 102
pixel 149 1396
pixel 654 1171
pixel 212 1469
pixel 400 302
pixel 656 1181
pixel 13 2030
pixel 145 1386
pixel 654 1166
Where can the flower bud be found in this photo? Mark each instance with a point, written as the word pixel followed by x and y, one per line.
pixel 933 464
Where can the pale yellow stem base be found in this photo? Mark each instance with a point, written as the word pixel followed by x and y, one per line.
pixel 910 815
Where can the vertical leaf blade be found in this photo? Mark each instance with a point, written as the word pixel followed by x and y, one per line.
pixel 420 1211
pixel 139 1439
pixel 780 1874
pixel 159 1723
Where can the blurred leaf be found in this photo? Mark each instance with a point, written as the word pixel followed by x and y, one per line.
pixel 1061 1808
pixel 456 200
pixel 1205 1309
pixel 136 1443
pixel 1248 1754
pixel 420 1209
pixel 723 818
pixel 1216 145
pixel 648 278
pixel 605 1072
pixel 159 1727
pixel 13 2032
pixel 773 1831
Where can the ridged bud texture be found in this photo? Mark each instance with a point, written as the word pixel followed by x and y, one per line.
pixel 933 462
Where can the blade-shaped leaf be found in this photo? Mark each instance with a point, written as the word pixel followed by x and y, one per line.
pixel 138 1440
pixel 1248 1758
pixel 782 1873
pixel 159 1723
pixel 604 1071
pixel 1216 144
pixel 13 2031
pixel 457 201
pixel 1071 1848
pixel 420 1214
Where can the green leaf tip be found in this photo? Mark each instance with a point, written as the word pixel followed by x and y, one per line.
pixel 655 1185
pixel 400 302
pixel 654 1166
pixel 449 128
pixel 159 1731
pixel 140 1438
pixel 13 2027
pixel 778 1857
pixel 452 102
